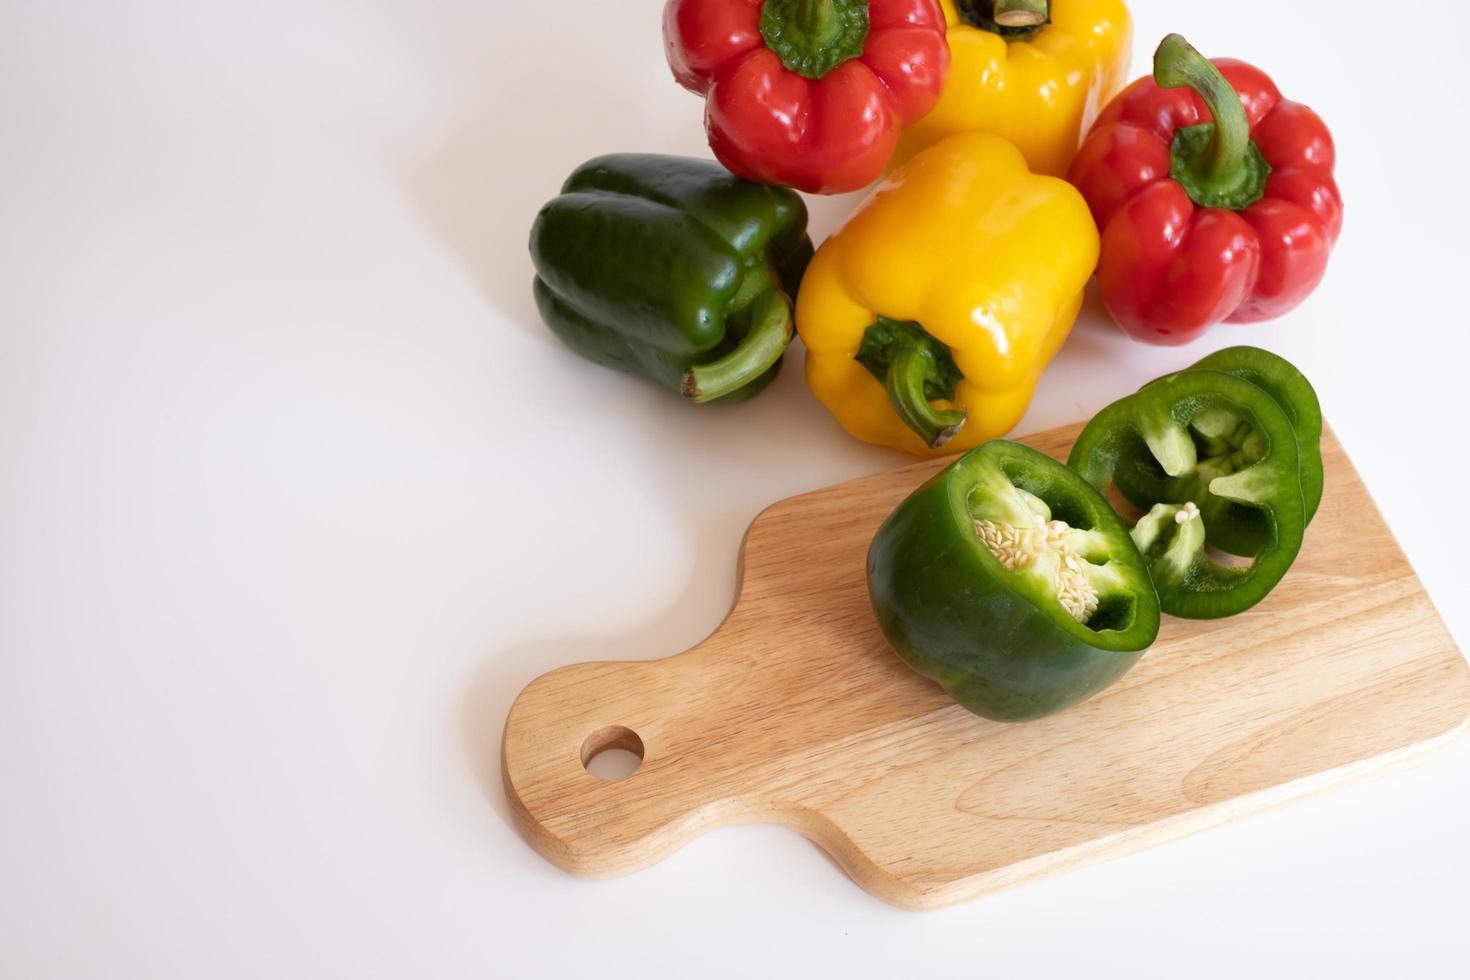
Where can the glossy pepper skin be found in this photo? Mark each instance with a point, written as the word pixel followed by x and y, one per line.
pixel 1038 87
pixel 672 269
pixel 1215 460
pixel 996 638
pixel 930 315
pixel 808 93
pixel 1205 221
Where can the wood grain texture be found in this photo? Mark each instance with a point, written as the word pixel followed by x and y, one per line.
pixel 795 712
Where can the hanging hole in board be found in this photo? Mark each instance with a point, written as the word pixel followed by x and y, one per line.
pixel 612 753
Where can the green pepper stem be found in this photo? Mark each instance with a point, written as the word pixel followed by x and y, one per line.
pixel 760 348
pixel 910 366
pixel 1178 64
pixel 1020 13
pixel 1014 20
pixel 812 37
pixel 814 17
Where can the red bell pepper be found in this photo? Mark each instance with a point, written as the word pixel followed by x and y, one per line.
pixel 1206 221
pixel 809 93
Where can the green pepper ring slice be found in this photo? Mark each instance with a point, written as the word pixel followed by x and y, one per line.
pixel 1295 394
pixel 1151 429
pixel 1291 390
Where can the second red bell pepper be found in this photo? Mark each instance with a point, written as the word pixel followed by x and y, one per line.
pixel 808 93
pixel 1214 196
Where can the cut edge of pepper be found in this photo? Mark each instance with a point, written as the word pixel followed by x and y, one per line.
pixel 1073 567
pixel 1291 389
pixel 1175 549
pixel 1216 458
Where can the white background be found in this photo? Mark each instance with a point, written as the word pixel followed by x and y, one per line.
pixel 296 493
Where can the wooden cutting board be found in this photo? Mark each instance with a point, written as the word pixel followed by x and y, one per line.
pixel 796 713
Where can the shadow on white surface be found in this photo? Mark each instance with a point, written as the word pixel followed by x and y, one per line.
pixel 465 195
pixel 479 190
pixel 495 686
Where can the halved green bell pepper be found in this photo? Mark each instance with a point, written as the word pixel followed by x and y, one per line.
pixel 1214 459
pixel 673 269
pixel 1012 583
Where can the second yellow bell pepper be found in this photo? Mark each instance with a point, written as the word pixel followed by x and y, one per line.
pixel 1038 87
pixel 930 315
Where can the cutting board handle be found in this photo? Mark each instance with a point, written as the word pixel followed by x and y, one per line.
pixel 563 719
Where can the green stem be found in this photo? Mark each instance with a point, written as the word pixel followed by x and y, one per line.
pixel 1020 13
pixel 760 348
pixel 812 37
pixel 814 17
pixel 910 366
pixel 1014 20
pixel 1178 64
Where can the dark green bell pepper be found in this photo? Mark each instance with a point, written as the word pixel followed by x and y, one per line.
pixel 673 269
pixel 1213 458
pixel 1011 582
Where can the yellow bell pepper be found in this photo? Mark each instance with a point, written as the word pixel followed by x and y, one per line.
pixel 930 315
pixel 1038 87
